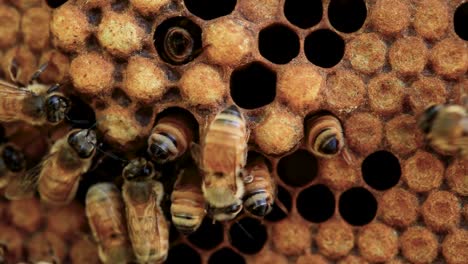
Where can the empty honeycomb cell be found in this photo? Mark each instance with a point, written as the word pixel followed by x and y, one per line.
pixel 181 253
pixel 303 14
pixel 46 246
pixel 278 43
pixel 277 213
pixel 425 92
pixel 259 11
pixel 55 3
pixel 291 236
pixel 408 55
pixel 345 90
pixel 202 84
pixel 441 211
pixel 120 34
pixel 357 206
pixel 25 60
pixel 377 242
pixel 208 235
pixel 148 7
pixel 316 212
pixel 94 16
pixel 69 34
pixel 248 235
pixel 25 214
pixel 456 175
pixel 335 239
pixel 311 259
pixel 253 85
pixel 227 41
pixel 210 9
pixel 67 221
pixel 454 247
pixel 381 170
pixel 431 19
pixel 366 52
pixel 419 245
pixel 449 58
pixel 143 80
pixel 386 94
pixel 337 174
pixel 84 251
pixel 298 168
pixel 13 239
pixel 459 21
pixel 398 207
pixel 35 28
pixel 364 132
pixel 57 68
pixel 324 48
pixel 403 134
pixel 91 73
pixel 347 15
pixel 267 256
pixel 226 255
pixel 390 16
pixel 299 86
pixel 9 26
pixel 423 171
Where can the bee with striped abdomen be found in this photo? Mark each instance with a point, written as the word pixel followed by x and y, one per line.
pixel 260 189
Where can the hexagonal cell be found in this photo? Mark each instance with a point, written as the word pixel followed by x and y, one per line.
pixel 55 3
pixel 324 48
pixel 347 16
pixel 253 86
pixel 248 235
pixel 178 40
pixel 226 256
pixel 320 211
pixel 210 9
pixel 278 43
pixel 81 114
pixel 460 19
pixel 304 14
pixel 381 170
pixel 298 169
pixel 357 206
pixel 208 235
pixel 181 253
pixel 278 213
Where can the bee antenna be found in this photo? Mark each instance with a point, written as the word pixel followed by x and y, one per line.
pixel 38 73
pixel 111 155
pixel 76 122
pixel 53 88
pixel 245 230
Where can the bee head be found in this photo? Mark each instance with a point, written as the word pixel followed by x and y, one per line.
pixel 224 213
pixel 83 142
pixel 138 168
pixel 178 44
pixel 427 118
pixel 56 107
pixel 257 203
pixel 13 158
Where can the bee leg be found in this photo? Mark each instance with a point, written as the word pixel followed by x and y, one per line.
pixel 281 206
pixel 14 71
pixel 347 156
pixel 38 73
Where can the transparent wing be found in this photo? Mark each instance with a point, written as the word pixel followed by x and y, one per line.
pixel 7 88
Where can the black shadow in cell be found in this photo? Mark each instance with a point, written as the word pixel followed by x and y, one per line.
pixel 357 206
pixel 120 97
pixel 278 44
pixel 55 3
pixel 460 21
pixel 208 235
pixel 304 14
pixel 253 86
pixel 210 9
pixel 143 115
pixel 94 16
pixel 182 253
pixel 347 16
pixel 277 213
pixel 298 168
pixel 316 203
pixel 324 48
pixel 81 114
pixel 248 235
pixel 381 170
pixel 226 256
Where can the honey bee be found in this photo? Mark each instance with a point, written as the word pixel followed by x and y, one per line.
pixel 36 104
pixel 222 157
pixel 188 203
pixel 260 189
pixel 147 226
pixel 170 138
pixel 325 138
pixel 105 212
pixel 57 176
pixel 12 163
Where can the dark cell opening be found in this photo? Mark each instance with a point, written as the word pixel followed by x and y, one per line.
pixel 324 48
pixel 316 203
pixel 2 134
pixel 181 253
pixel 298 168
pixel 94 16
pixel 278 44
pixel 226 256
pixel 120 97
pixel 208 235
pixel 173 232
pixel 381 170
pixel 55 3
pixel 248 235
pixel 81 114
pixel 357 206
pixel 182 114
pixel 143 115
pixel 178 40
pixel 119 5
pixel 283 201
pixel 210 9
pixel 304 14
pixel 347 15
pixel 460 21
pixel 253 86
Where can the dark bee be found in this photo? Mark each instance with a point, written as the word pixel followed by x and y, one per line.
pixel 12 162
pixel 260 189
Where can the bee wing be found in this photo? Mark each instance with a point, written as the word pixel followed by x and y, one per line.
pixel 9 89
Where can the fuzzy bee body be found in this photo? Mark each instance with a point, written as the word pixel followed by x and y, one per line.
pixel 260 192
pixel 12 163
pixel 105 212
pixel 147 226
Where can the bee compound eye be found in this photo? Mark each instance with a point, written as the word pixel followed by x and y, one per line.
pixel 330 146
pixel 259 209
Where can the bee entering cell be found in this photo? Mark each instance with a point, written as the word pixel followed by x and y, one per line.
pixel 178 40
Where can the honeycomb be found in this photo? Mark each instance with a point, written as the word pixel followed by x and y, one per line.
pixel 375 64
